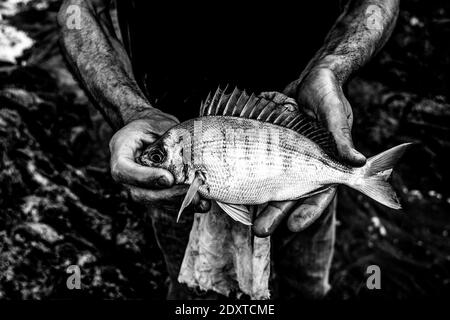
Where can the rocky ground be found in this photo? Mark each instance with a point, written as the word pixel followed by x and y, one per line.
pixel 59 206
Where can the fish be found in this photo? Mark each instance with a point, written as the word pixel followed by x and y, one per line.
pixel 246 150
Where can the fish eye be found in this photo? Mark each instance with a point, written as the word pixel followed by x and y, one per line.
pixel 157 156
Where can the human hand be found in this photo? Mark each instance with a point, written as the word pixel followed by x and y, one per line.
pixel 146 184
pixel 321 96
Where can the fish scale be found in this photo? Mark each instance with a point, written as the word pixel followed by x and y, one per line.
pixel 252 162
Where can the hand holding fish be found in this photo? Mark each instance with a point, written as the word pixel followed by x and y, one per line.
pixel 319 94
pixel 348 46
pixel 146 184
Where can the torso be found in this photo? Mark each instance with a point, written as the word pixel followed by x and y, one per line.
pixel 181 52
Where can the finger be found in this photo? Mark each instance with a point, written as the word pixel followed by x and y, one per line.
pixel 277 97
pixel 339 127
pixel 129 172
pixel 310 210
pixel 282 100
pixel 157 196
pixel 124 168
pixel 203 206
pixel 200 204
pixel 268 220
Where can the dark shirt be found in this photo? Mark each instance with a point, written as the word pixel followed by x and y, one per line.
pixel 180 52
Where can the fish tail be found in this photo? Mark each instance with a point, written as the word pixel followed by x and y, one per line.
pixel 376 172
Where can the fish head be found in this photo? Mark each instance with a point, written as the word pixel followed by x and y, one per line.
pixel 171 152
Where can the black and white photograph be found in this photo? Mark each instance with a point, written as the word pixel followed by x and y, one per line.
pixel 225 158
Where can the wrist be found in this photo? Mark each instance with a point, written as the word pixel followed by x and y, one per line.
pixel 157 122
pixel 339 65
pixel 319 68
pixel 318 83
pixel 149 113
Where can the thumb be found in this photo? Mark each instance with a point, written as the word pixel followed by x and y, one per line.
pixel 346 149
pixel 340 129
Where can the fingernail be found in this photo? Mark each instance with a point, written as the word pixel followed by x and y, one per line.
pixel 265 226
pixel 261 231
pixel 163 182
pixel 359 155
pixel 357 152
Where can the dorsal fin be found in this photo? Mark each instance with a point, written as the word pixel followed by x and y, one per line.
pixel 273 107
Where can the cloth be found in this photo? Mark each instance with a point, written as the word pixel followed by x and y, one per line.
pixel 300 262
pixel 224 256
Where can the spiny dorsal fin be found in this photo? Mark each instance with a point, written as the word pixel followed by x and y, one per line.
pixel 270 107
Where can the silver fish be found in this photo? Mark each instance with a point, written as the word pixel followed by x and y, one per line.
pixel 248 150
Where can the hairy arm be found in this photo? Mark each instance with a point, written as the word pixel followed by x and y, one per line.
pixel 360 32
pixel 102 64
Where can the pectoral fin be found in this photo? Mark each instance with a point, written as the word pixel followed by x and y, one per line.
pixel 190 194
pixel 237 212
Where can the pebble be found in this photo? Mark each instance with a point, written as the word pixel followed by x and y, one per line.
pixel 415 22
pixel 415 194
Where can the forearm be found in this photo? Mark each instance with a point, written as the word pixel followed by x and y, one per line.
pixel 101 64
pixel 359 33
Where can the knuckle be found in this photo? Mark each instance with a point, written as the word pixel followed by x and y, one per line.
pixel 112 143
pixel 137 196
pixel 134 195
pixel 141 196
pixel 114 139
pixel 116 171
pixel 293 224
pixel 297 224
pixel 303 218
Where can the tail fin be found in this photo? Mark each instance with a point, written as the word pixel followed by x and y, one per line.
pixel 376 173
